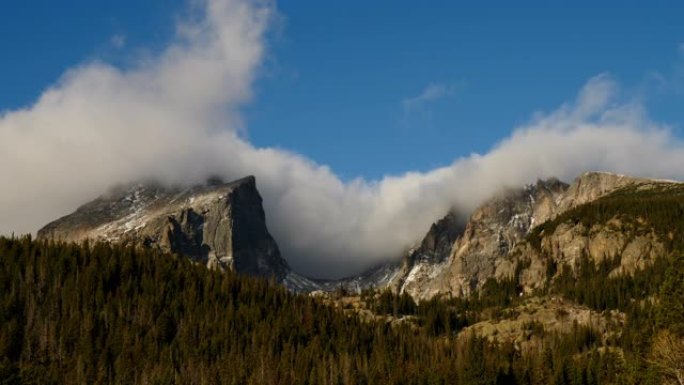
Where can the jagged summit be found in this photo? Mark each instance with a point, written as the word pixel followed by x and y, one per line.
pixel 220 224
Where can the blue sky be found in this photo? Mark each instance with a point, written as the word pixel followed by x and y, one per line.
pixel 352 64
pixel 338 77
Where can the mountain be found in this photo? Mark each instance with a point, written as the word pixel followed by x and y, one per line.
pixel 219 224
pixel 456 259
pixel 557 283
pixel 223 226
pixel 115 314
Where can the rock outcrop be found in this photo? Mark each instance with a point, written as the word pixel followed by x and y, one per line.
pixel 220 224
pixel 492 241
pixel 429 259
pixel 525 325
pixel 634 246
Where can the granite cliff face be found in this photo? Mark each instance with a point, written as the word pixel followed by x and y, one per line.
pixel 429 259
pixel 220 224
pixel 493 240
pixel 471 250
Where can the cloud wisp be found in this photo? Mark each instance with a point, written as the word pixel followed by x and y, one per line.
pixel 430 94
pixel 177 117
pixel 118 41
pixel 420 106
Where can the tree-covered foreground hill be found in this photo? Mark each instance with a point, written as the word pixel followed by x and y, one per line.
pixel 106 314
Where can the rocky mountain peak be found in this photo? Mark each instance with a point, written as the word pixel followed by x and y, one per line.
pixel 220 224
pixel 592 185
pixel 436 246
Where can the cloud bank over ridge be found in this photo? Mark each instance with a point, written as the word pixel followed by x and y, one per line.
pixel 176 117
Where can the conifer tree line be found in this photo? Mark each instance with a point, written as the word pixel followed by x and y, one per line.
pixel 119 315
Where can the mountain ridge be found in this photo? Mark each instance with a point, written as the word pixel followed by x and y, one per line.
pixel 495 228
pixel 223 225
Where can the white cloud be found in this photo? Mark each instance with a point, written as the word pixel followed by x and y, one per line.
pixel 176 117
pixel 429 94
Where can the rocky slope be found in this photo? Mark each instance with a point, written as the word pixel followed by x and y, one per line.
pixel 493 241
pixel 219 224
pixel 524 324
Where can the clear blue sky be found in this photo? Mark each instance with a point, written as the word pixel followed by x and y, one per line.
pixel 342 81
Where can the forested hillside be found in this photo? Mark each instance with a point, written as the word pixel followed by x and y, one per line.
pixel 106 314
